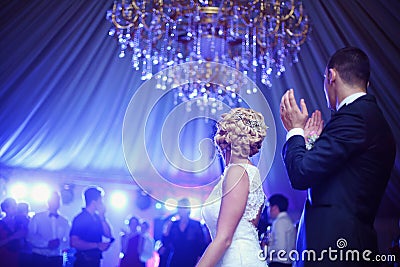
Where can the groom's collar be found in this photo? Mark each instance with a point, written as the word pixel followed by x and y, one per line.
pixel 350 99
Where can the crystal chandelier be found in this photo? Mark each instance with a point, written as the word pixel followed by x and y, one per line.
pixel 205 84
pixel 255 37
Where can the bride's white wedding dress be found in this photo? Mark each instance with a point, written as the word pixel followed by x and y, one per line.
pixel 245 248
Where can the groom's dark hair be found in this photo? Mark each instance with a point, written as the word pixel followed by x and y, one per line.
pixel 352 64
pixel 279 200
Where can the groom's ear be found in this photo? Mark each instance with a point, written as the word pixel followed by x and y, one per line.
pixel 332 73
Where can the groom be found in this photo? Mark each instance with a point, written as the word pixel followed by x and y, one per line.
pixel 345 171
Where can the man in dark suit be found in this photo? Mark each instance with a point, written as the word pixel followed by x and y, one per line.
pixel 345 169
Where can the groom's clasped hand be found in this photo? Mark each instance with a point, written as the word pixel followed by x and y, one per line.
pixel 293 116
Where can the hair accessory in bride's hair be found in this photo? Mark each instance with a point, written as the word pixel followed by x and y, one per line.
pixel 248 122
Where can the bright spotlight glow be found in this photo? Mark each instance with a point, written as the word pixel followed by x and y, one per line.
pixel 171 204
pixel 40 193
pixel 158 205
pixel 19 191
pixel 118 199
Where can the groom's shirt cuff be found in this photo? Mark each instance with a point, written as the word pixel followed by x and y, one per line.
pixel 294 131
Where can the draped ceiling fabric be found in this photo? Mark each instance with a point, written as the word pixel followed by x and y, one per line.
pixel 64 91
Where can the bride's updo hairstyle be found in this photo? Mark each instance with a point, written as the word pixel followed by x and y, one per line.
pixel 243 129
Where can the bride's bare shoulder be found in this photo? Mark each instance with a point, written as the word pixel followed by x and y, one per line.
pixel 235 174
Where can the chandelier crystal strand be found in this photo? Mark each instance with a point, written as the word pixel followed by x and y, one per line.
pixel 255 37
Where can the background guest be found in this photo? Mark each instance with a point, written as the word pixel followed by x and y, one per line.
pixel 184 238
pixel 49 235
pixel 88 229
pixel 283 232
pixel 131 245
pixel 11 234
pixel 22 218
pixel 148 243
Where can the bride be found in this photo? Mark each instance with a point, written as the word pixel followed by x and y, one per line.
pixel 233 208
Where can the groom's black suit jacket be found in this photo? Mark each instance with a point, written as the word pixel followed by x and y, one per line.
pixel 346 173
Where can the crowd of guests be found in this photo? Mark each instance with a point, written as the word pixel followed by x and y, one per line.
pixel 42 239
pixel 137 245
pixel 47 239
pixel 36 241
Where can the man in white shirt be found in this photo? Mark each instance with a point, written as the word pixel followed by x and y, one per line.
pixel 148 243
pixel 49 235
pixel 283 233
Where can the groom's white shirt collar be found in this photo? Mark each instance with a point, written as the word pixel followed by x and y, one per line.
pixel 350 99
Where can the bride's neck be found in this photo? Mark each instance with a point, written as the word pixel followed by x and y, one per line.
pixel 233 159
